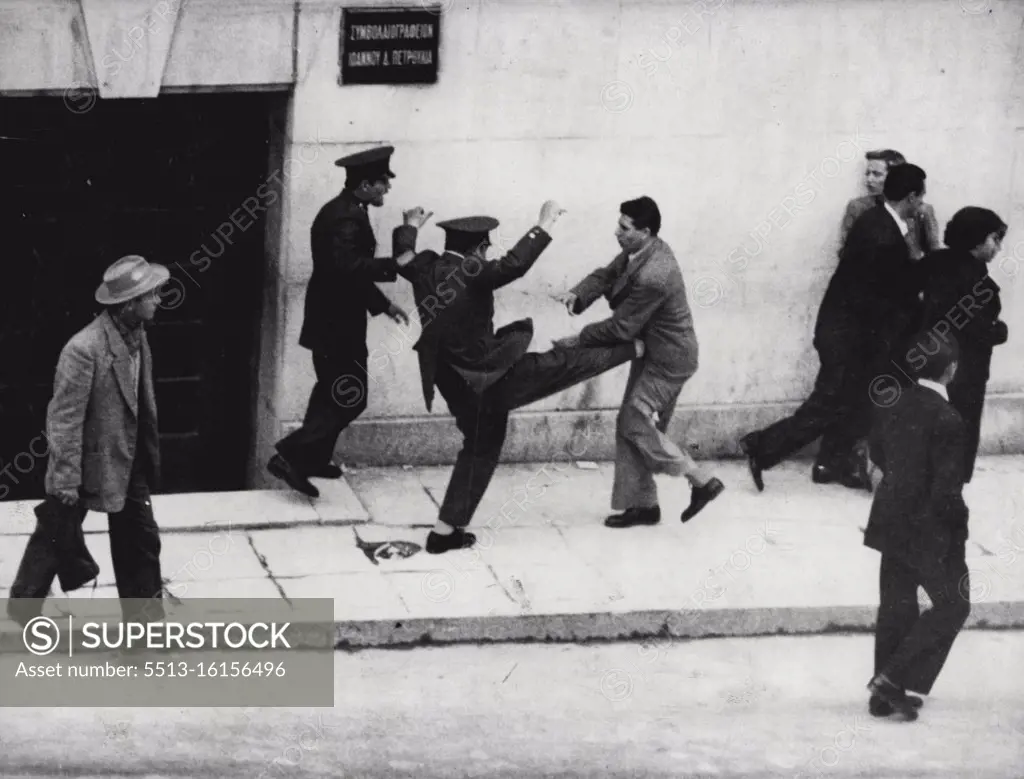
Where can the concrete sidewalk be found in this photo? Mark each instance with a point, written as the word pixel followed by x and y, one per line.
pixel 789 560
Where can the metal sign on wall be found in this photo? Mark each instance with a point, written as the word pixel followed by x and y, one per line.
pixel 390 46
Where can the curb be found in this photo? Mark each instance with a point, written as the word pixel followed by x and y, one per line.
pixel 640 625
pixel 354 635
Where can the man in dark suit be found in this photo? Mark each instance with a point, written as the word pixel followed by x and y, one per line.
pixel 340 293
pixel 871 301
pixel 484 374
pixel 645 289
pixel 918 522
pixel 102 429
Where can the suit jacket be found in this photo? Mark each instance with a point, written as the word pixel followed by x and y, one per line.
pixel 918 511
pixel 952 277
pixel 872 299
pixel 455 301
pixel 924 235
pixel 647 296
pixel 96 423
pixel 341 290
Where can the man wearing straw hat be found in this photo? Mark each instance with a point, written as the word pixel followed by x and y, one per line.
pixel 101 425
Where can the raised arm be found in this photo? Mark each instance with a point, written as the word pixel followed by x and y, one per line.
pixel 494 274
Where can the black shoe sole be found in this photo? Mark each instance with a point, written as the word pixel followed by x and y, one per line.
pixel 305 488
pixel 613 522
pixel 715 488
pixel 899 705
pixel 438 544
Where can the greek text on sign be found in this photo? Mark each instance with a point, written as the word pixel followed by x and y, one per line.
pixel 390 46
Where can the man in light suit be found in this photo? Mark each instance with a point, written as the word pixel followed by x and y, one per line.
pixel 644 287
pixel 104 448
pixel 918 522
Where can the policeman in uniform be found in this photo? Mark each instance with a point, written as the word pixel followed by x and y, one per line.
pixel 340 293
pixel 483 374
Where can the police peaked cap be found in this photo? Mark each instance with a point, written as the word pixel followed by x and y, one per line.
pixel 478 226
pixel 371 163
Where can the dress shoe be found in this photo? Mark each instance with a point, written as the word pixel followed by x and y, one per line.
pixel 749 446
pixel 327 471
pixel 700 497
pixel 439 544
pixel 822 474
pixel 635 516
pixel 282 469
pixel 892 696
pixel 879 708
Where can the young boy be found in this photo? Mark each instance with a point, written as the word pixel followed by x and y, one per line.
pixel 918 522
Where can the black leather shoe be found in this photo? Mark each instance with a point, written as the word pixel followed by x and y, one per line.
pixel 327 471
pixel 857 477
pixel 822 474
pixel 282 469
pixel 439 544
pixel 700 497
pixel 633 517
pixel 892 696
pixel 879 708
pixel 749 446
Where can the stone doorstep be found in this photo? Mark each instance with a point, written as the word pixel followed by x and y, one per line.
pixel 646 625
pixel 218 511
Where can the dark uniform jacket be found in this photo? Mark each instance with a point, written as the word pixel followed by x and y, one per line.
pixel 455 300
pixel 341 290
pixel 873 297
pixel 918 510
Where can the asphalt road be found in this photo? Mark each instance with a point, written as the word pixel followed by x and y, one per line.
pixel 720 708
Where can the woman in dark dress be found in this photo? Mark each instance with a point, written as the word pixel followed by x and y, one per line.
pixel 961 299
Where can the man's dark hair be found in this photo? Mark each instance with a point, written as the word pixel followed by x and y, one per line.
pixel 890 157
pixel 971 226
pixel 930 354
pixel 644 213
pixel 903 180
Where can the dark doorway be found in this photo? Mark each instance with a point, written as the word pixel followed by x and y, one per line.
pixel 152 177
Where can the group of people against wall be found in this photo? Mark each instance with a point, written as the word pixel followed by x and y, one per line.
pixel 897 276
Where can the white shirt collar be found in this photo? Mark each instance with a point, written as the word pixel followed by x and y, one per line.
pixel 900 222
pixel 935 386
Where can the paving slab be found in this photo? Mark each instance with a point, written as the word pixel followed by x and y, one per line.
pixel 204 511
pixel 338 504
pixel 357 596
pixel 309 551
pixel 393 496
pixel 788 560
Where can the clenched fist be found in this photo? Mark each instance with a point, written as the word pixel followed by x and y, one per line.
pixel 549 214
pixel 417 217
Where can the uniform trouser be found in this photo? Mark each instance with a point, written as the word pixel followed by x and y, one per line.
pixel 834 405
pixel 338 398
pixel 483 418
pixel 134 551
pixel 910 647
pixel 642 448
